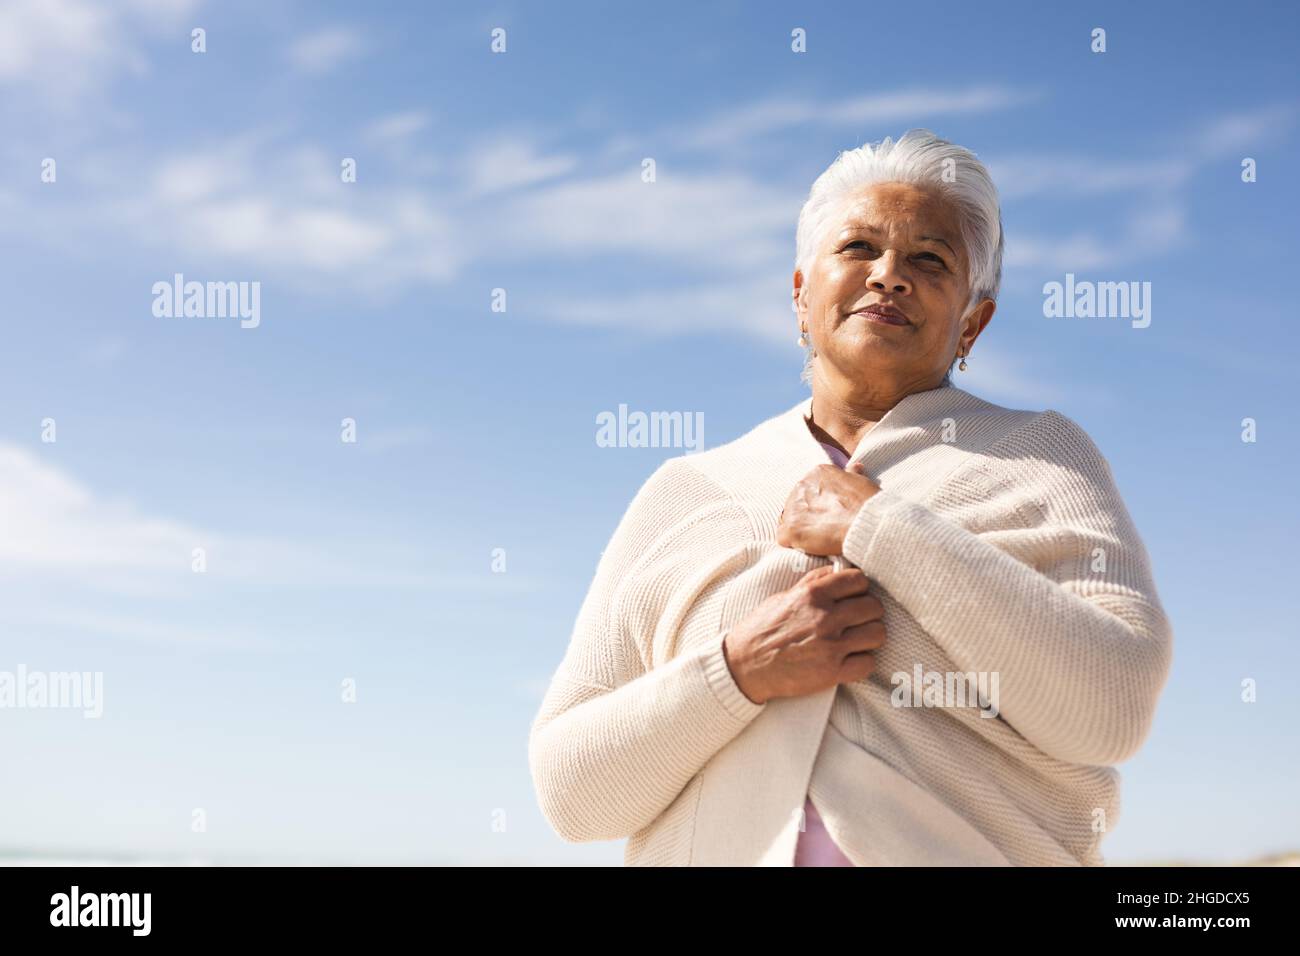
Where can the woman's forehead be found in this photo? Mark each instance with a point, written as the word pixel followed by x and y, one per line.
pixel 920 216
pixel 897 203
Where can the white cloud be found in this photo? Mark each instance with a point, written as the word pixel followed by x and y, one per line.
pixel 1238 134
pixel 58 528
pixel 267 209
pixel 258 207
pixel 55 524
pixel 53 520
pixel 510 164
pixel 1063 176
pixel 1071 175
pixel 63 50
pixel 727 222
pixel 196 176
pixel 396 126
pixel 736 126
pixel 43 40
pixel 326 49
pixel 261 229
pixel 757 306
pixel 1149 233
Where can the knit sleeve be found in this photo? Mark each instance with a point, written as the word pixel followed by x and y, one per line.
pixel 617 739
pixel 1053 592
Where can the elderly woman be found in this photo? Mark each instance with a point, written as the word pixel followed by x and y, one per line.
pixel 768 665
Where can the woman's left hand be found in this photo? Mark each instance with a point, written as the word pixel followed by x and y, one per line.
pixel 821 507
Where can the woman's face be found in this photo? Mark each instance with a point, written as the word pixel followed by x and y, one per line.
pixel 891 244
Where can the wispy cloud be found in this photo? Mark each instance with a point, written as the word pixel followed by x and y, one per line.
pixel 64 50
pixel 283 210
pixel 510 163
pixel 396 126
pixel 1239 133
pixel 780 113
pixel 58 528
pixel 1148 233
pixel 1158 221
pixel 267 207
pixel 749 305
pixel 327 49
pixel 721 239
pixel 709 221
pixel 1071 175
pixel 53 521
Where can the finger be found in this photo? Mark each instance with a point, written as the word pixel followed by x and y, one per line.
pixel 864 637
pixel 838 585
pixel 850 612
pixel 821 571
pixel 856 667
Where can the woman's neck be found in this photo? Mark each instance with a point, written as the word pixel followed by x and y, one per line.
pixel 840 424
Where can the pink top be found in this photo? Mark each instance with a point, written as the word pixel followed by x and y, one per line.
pixel 837 457
pixel 815 846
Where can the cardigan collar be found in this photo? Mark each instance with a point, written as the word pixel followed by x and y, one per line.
pixel 789 449
pixel 911 411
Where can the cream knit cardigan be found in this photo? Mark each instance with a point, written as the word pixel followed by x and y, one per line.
pixel 998 543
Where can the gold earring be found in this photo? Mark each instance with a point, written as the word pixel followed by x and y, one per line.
pixel 802 340
pixel 962 366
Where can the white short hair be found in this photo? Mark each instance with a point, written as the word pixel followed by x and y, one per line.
pixel 922 159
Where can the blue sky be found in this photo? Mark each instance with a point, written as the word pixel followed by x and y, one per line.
pixel 372 560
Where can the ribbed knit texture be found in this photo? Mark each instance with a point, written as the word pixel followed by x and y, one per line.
pixel 998 543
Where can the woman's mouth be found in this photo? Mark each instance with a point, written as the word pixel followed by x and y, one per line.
pixel 882 316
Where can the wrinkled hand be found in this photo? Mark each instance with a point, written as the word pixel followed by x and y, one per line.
pixel 822 506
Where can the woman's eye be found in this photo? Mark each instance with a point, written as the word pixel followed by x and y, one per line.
pixel 863 244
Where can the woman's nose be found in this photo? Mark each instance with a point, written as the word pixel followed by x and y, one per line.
pixel 886 275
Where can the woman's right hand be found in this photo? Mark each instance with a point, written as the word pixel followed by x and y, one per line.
pixel 819 633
